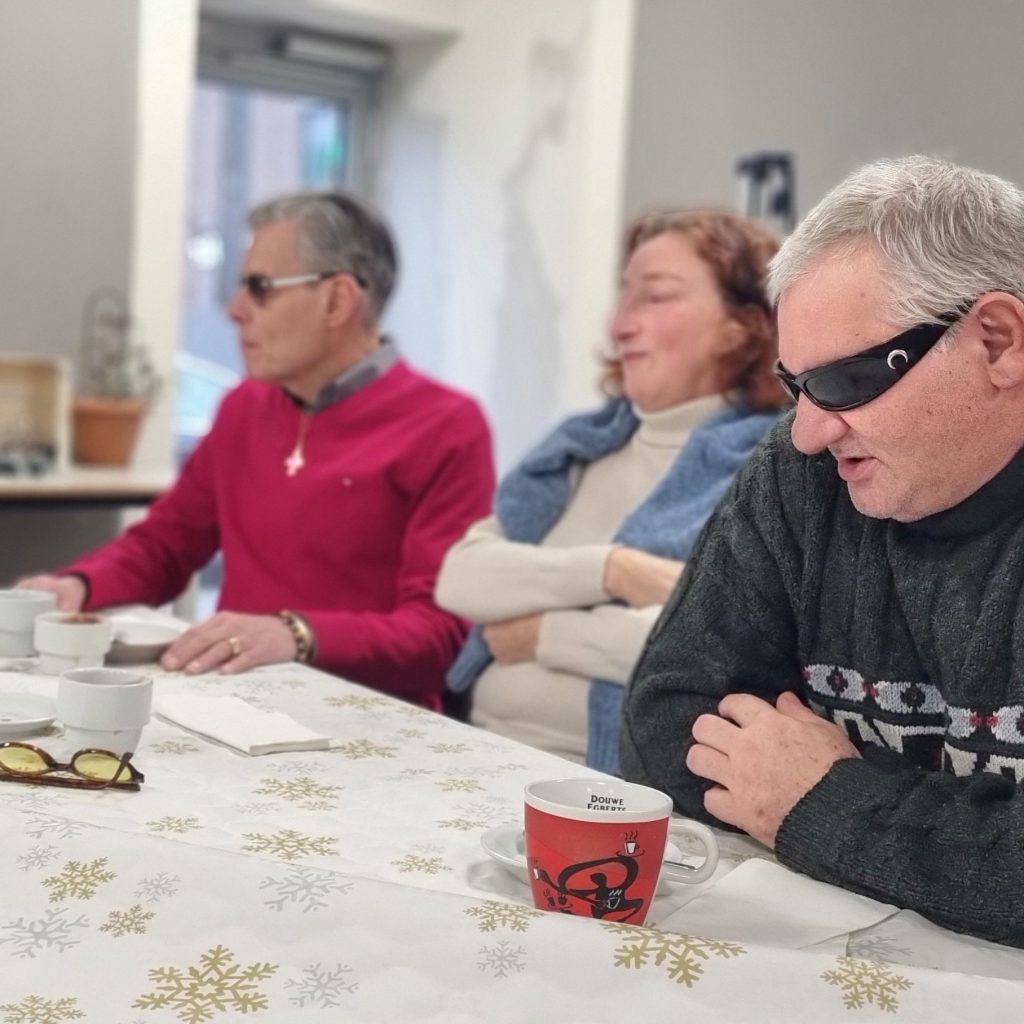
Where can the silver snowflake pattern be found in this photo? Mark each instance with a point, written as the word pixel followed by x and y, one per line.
pixel 492 915
pixel 156 887
pixel 54 930
pixel 175 747
pixel 37 1010
pixel 358 750
pixel 876 947
pixel 867 981
pixel 127 922
pixel 253 808
pixel 460 785
pixel 681 955
pixel 304 791
pixel 478 814
pixel 38 857
pixel 78 880
pixel 358 701
pixel 304 887
pixel 36 798
pixel 289 844
pixel 298 768
pixel 321 987
pixel 450 748
pixel 502 959
pixel 44 826
pixel 427 865
pixel 172 824
pixel 217 984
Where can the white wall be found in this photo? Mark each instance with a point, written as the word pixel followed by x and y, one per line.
pixel 837 83
pixel 501 167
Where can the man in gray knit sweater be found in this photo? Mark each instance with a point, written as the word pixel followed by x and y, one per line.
pixel 840 672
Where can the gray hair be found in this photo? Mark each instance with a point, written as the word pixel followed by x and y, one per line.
pixel 945 234
pixel 338 233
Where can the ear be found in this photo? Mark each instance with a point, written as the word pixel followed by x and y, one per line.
pixel 344 301
pixel 1000 317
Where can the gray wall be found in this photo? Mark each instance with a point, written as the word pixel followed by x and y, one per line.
pixel 837 82
pixel 67 118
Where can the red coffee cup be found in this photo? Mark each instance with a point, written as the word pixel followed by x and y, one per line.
pixel 596 847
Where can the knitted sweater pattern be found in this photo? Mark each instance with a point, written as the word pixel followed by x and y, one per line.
pixel 910 637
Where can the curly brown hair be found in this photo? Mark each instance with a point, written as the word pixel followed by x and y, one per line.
pixel 737 251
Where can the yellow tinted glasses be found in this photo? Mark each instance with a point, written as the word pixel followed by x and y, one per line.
pixel 88 769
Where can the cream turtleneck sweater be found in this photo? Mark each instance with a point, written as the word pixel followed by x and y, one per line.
pixel 488 578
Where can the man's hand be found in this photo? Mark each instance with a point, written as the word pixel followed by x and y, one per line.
pixel 638 578
pixel 231 642
pixel 763 759
pixel 514 640
pixel 70 590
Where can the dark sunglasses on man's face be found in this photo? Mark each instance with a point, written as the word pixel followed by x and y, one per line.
pixel 861 378
pixel 259 286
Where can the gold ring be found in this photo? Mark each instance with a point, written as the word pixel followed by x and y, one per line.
pixel 236 646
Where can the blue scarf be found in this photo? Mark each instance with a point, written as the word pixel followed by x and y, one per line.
pixel 533 496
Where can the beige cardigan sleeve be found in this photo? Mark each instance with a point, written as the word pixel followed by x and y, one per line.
pixel 601 643
pixel 486 577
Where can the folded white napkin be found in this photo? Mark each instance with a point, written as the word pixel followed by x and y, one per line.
pixel 766 904
pixel 233 721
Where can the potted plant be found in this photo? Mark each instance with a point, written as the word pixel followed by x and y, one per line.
pixel 117 381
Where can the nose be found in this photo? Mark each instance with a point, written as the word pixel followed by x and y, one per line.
pixel 815 429
pixel 623 324
pixel 239 306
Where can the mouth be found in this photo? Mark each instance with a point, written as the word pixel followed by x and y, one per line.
pixel 854 467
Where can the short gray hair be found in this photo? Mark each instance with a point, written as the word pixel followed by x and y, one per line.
pixel 337 232
pixel 945 234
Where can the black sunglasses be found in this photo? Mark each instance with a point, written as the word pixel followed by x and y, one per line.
pixel 259 286
pixel 856 380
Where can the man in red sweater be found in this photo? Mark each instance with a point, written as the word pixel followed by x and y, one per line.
pixel 333 479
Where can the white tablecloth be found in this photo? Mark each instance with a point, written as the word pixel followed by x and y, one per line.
pixel 350 884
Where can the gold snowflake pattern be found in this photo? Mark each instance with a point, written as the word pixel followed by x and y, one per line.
pixel 867 981
pixel 37 1010
pixel 302 790
pixel 290 845
pixel 171 824
pixel 127 922
pixel 460 786
pixel 217 984
pixel 682 955
pixel 358 750
pixel 78 880
pixel 462 824
pixel 492 915
pixel 412 734
pixel 175 747
pixel 428 865
pixel 355 700
pixel 450 748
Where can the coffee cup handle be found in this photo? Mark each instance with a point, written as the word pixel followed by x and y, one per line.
pixel 677 872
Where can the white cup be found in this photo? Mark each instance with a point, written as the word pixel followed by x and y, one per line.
pixel 67 640
pixel 103 708
pixel 18 611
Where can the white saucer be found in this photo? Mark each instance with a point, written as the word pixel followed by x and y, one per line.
pixel 24 714
pixel 506 844
pixel 138 640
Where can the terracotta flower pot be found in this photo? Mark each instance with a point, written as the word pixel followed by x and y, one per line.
pixel 105 429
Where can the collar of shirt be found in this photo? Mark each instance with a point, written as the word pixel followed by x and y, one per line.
pixel 993 502
pixel 354 379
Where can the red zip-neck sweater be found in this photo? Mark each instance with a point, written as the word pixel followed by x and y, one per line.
pixel 393 475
